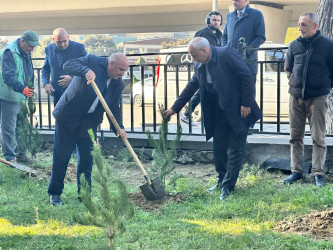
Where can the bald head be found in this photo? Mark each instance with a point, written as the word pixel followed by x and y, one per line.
pixel 118 65
pixel 61 38
pixel 199 49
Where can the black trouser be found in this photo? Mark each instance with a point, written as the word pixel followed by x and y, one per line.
pixel 64 144
pixel 228 148
pixel 195 100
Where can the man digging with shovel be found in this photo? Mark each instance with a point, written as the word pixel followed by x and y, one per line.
pixel 79 109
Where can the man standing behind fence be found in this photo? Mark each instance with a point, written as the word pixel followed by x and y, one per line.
pixel 309 67
pixel 56 54
pixel 248 23
pixel 213 35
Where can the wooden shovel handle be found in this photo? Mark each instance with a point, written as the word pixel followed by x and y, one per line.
pixel 5 162
pixel 115 123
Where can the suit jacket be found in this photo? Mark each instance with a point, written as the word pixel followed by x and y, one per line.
pixel 54 62
pixel 72 109
pixel 251 26
pixel 232 81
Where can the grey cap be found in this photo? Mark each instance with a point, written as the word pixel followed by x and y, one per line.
pixel 31 37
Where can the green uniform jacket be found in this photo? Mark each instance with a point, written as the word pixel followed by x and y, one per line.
pixel 6 92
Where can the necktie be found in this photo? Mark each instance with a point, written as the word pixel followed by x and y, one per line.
pixel 240 14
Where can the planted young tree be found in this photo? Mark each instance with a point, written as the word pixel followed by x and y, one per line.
pixel 164 151
pixel 111 208
pixel 28 137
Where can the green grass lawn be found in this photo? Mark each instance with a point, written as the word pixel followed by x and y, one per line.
pixel 245 220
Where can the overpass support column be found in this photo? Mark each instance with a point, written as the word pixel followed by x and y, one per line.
pixel 215 5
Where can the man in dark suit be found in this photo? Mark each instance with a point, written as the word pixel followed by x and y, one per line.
pixel 56 54
pixel 229 109
pixel 248 23
pixel 79 110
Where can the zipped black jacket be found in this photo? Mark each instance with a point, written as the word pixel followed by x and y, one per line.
pixel 309 66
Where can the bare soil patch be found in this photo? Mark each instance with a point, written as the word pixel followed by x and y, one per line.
pixel 318 224
pixel 131 175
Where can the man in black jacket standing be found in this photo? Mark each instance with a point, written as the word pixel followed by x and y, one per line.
pixel 214 37
pixel 309 67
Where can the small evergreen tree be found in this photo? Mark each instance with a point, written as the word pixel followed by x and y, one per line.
pixel 28 137
pixel 164 151
pixel 111 208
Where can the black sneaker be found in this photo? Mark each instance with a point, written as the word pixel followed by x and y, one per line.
pixel 215 187
pixel 55 200
pixel 292 178
pixel 319 180
pixel 186 120
pixel 224 194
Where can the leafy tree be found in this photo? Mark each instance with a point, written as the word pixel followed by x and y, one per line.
pixel 166 45
pixel 164 151
pixel 39 52
pixel 111 208
pixel 101 45
pixel 3 43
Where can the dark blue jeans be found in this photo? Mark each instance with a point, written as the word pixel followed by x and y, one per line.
pixel 195 100
pixel 64 144
pixel 228 148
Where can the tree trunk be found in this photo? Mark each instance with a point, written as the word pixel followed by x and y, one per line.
pixel 325 14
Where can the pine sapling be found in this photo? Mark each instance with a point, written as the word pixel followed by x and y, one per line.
pixel 164 152
pixel 111 208
pixel 28 137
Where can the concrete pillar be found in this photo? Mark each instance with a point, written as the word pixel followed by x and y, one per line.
pixel 215 5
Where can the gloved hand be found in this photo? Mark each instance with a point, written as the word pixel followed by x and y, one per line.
pixel 28 92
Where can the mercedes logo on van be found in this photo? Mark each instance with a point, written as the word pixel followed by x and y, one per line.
pixel 186 58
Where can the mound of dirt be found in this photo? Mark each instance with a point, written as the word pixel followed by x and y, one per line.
pixel 318 224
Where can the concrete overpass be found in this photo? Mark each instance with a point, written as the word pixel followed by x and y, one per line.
pixel 135 16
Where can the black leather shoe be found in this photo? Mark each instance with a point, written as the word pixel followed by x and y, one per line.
pixel 319 180
pixel 225 193
pixel 55 200
pixel 292 178
pixel 215 187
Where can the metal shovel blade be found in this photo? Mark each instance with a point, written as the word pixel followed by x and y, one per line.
pixel 155 191
pixel 18 166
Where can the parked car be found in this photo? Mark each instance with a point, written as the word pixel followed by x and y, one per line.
pixel 148 92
